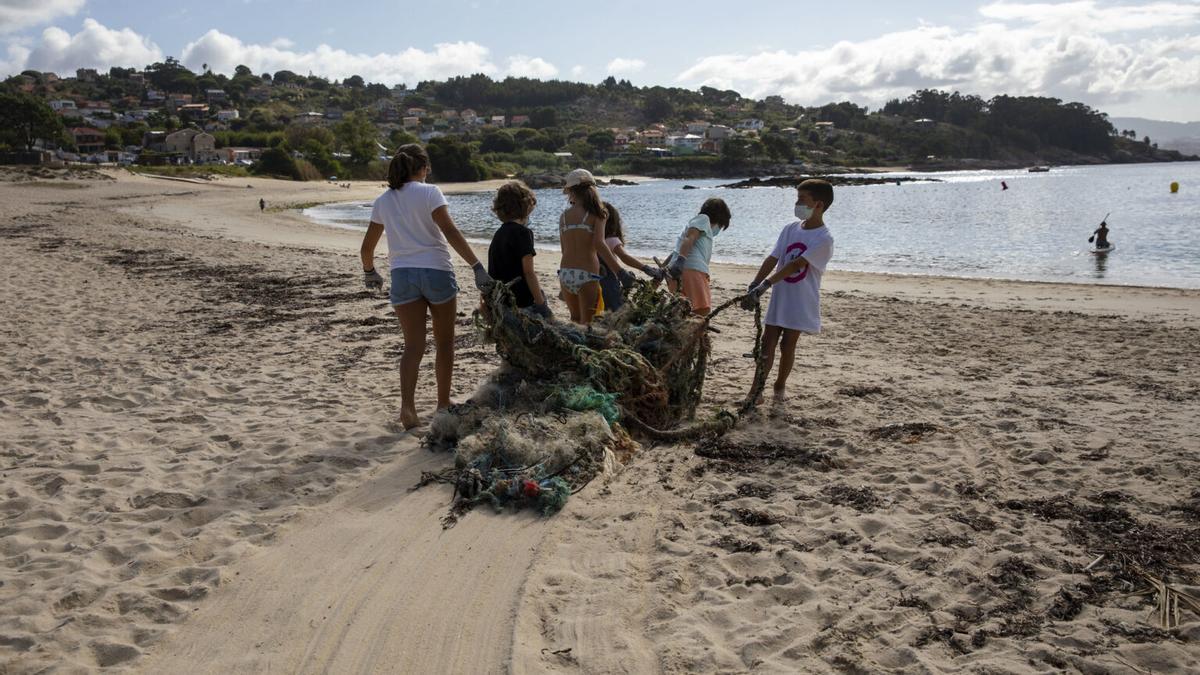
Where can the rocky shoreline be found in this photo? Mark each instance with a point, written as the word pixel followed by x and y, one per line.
pixel 792 181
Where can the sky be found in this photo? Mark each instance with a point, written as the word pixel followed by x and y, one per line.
pixel 1123 57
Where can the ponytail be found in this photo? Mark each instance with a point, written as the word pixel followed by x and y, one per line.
pixel 587 197
pixel 613 227
pixel 409 160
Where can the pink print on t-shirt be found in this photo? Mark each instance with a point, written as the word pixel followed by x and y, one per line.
pixel 799 276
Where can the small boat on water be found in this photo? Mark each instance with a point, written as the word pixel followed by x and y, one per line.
pixel 1039 169
pixel 1104 251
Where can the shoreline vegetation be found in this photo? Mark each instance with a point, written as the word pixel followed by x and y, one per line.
pixel 165 118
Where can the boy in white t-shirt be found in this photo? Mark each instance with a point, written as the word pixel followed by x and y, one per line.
pixel 799 259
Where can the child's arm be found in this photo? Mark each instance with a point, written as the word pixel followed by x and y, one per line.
pixel 531 280
pixel 626 258
pixel 675 271
pixel 369 242
pixel 768 264
pixel 689 240
pixel 793 267
pixel 602 249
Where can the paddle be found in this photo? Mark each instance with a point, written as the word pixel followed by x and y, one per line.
pixel 1093 237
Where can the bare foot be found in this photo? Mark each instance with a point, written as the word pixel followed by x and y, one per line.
pixel 408 418
pixel 779 397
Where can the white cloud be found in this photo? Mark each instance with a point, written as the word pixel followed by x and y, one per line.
pixel 1017 49
pixel 577 72
pixel 1085 15
pixel 18 14
pixel 224 52
pixel 622 66
pixel 525 66
pixel 14 61
pixel 282 43
pixel 94 46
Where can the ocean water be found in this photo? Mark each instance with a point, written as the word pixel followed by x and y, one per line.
pixel 965 225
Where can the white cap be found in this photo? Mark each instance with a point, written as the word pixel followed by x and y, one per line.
pixel 580 177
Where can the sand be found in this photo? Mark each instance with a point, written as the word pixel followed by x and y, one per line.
pixel 201 471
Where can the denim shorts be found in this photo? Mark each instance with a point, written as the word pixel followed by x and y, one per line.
pixel 414 283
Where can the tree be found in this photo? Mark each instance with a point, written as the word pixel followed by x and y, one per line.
pixel 451 161
pixel 359 137
pixel 734 151
pixel 112 138
pixel 779 147
pixel 497 140
pixel 543 117
pixel 299 135
pixel 318 153
pixel 25 119
pixel 276 162
pixel 657 105
pixel 243 71
pixel 581 150
pixel 401 137
pixel 170 75
pixel 354 82
pixel 601 140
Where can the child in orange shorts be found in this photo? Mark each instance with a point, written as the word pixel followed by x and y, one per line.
pixel 688 269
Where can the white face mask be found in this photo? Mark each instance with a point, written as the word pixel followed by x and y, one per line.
pixel 803 212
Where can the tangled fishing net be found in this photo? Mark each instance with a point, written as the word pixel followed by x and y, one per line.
pixel 563 406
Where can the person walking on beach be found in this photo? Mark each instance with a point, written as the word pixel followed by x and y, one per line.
pixel 801 253
pixel 613 282
pixel 581 238
pixel 688 269
pixel 262 204
pixel 420 234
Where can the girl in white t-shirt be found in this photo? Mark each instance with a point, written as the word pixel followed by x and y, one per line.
pixel 420 233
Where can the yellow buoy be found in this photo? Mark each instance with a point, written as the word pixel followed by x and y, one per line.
pixel 1174 187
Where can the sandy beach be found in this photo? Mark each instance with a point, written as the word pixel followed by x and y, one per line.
pixel 202 471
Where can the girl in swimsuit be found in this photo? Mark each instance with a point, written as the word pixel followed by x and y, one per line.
pixel 614 281
pixel 581 238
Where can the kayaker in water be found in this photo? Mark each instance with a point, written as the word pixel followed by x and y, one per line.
pixel 1100 235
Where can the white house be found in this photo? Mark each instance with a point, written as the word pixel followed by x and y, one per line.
pixel 698 127
pixel 64 104
pixel 227 115
pixel 751 124
pixel 685 145
pixel 498 120
pixel 309 118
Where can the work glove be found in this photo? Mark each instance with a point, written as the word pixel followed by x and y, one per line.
pixel 372 280
pixel 750 301
pixel 655 273
pixel 675 269
pixel 483 281
pixel 542 310
pixel 626 279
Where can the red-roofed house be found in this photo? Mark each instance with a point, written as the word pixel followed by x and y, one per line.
pixel 88 140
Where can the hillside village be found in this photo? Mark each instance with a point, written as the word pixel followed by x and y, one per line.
pixel 308 127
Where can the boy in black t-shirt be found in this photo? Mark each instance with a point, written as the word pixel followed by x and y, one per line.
pixel 510 255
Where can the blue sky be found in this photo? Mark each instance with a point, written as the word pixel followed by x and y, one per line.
pixel 1126 58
